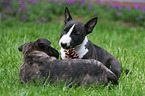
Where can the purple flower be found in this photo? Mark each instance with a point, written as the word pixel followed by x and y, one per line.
pixel 4 0
pixel 37 21
pixel 5 6
pixel 137 6
pixel 24 17
pixel 83 4
pixel 140 17
pixel 32 1
pixel 21 8
pixel 60 4
pixel 137 18
pixel 71 2
pixel 143 9
pixel 95 12
pixel 128 8
pixel 99 2
pixel 90 6
pixel 118 14
pixel 117 6
pixel 108 1
pixel 10 10
pixel 56 0
pixel 8 5
pixel 108 8
pixel 21 2
pixel 43 19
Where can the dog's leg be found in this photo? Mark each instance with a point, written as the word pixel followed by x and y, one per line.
pixel 115 67
pixel 91 81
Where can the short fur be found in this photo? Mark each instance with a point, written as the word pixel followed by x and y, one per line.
pixel 85 48
pixel 40 61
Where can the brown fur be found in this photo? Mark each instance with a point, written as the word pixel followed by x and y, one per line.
pixel 41 63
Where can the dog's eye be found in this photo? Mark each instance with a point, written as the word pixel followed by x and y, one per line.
pixel 77 32
pixel 66 29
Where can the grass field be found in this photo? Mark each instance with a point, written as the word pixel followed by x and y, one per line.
pixel 124 42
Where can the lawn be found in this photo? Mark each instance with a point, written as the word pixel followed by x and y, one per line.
pixel 123 41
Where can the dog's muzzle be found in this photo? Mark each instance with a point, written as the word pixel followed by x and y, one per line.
pixel 64 45
pixel 65 41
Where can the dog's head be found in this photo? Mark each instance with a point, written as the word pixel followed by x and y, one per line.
pixel 39 45
pixel 74 32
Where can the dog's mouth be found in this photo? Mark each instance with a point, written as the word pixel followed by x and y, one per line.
pixel 65 45
pixel 67 48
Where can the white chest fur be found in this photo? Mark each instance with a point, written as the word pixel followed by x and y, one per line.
pixel 81 49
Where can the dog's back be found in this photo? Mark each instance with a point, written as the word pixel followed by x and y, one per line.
pixel 82 71
pixel 32 66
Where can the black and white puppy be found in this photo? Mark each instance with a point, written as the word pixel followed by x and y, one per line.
pixel 40 62
pixel 75 33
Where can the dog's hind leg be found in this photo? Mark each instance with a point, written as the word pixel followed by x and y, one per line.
pixel 115 67
pixel 92 81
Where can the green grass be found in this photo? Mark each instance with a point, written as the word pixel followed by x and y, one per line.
pixel 124 42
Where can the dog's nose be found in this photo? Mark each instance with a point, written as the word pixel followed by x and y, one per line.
pixel 64 45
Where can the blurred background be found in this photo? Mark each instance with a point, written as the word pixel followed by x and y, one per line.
pixel 38 11
pixel 120 30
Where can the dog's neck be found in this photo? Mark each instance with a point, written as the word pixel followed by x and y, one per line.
pixel 81 49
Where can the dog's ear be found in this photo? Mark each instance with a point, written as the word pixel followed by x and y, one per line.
pixel 89 26
pixel 53 52
pixel 48 50
pixel 44 45
pixel 44 41
pixel 67 15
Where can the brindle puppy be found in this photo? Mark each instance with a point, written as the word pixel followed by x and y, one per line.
pixel 40 61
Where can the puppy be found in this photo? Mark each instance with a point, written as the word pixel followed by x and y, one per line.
pixel 40 61
pixel 75 34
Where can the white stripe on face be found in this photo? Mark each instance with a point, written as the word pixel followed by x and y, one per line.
pixel 70 30
pixel 66 38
